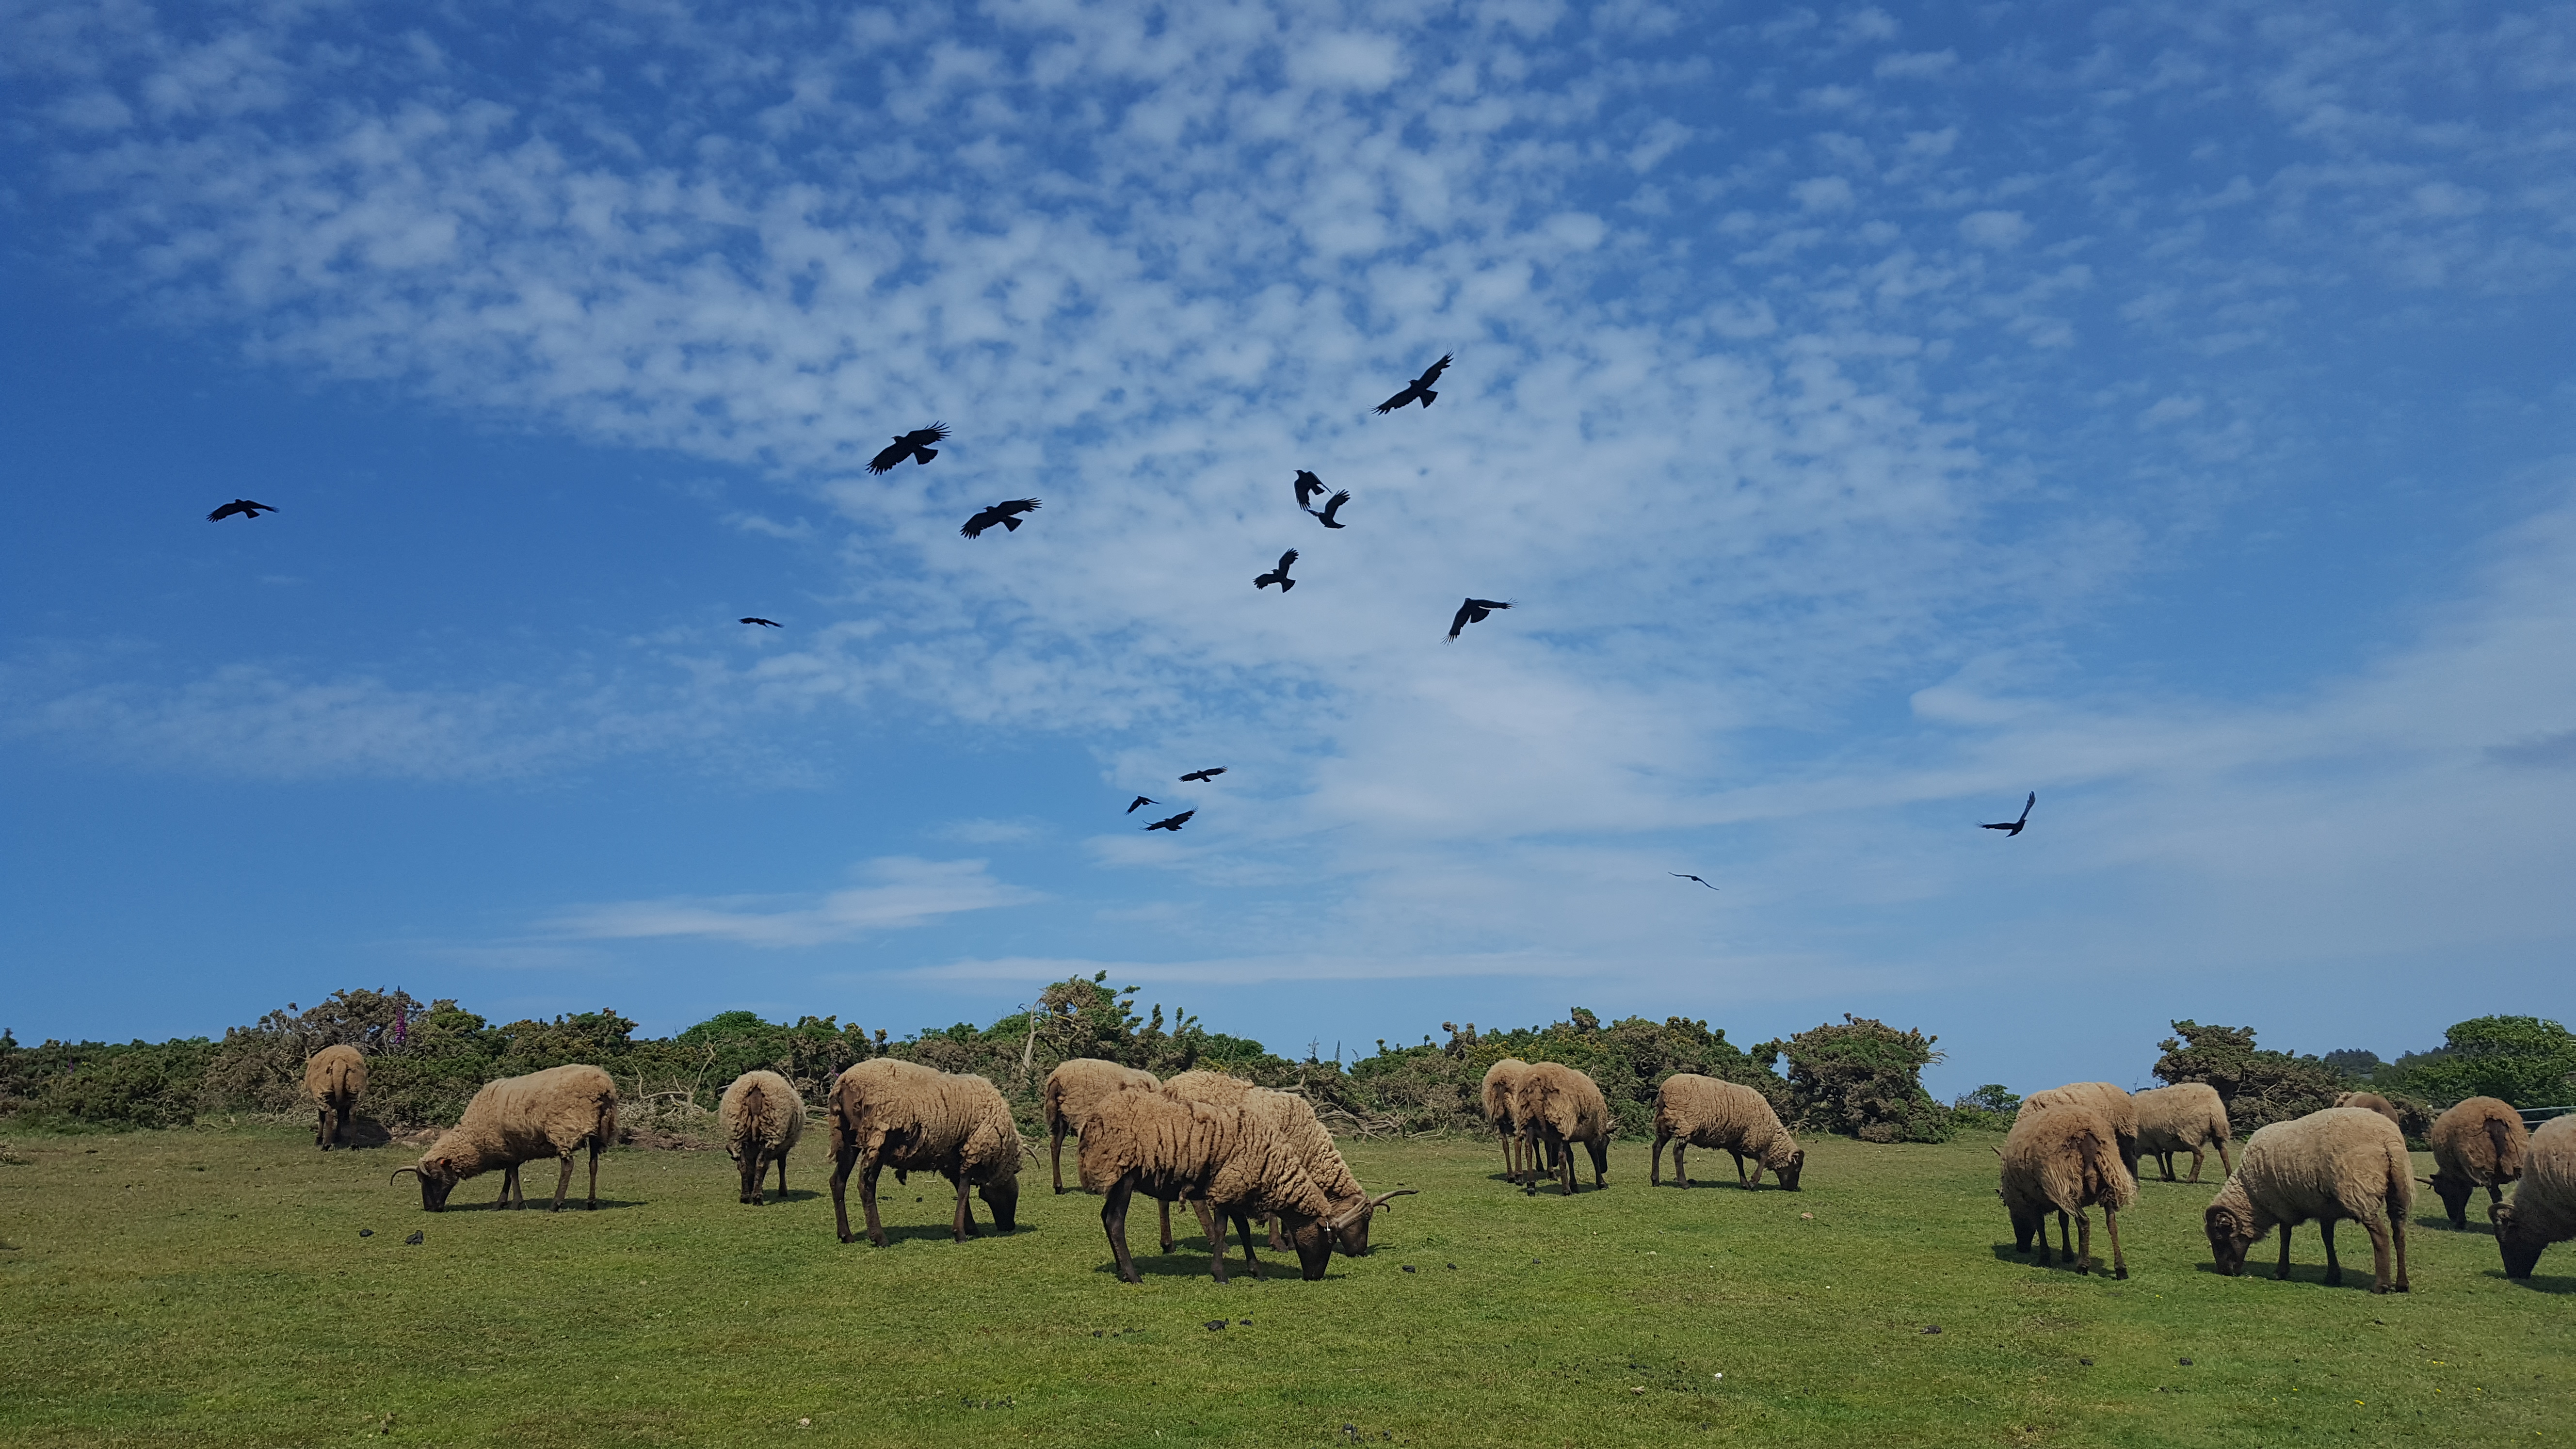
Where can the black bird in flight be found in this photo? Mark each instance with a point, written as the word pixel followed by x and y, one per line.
pixel 1679 875
pixel 2013 827
pixel 1332 506
pixel 914 445
pixel 242 506
pixel 772 623
pixel 1141 802
pixel 1308 485
pixel 1278 575
pixel 1474 611
pixel 1005 514
pixel 1419 388
pixel 1210 773
pixel 1173 823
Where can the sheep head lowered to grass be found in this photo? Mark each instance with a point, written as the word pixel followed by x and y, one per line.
pixel 890 1113
pixel 552 1113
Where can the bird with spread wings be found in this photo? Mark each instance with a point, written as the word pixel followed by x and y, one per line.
pixel 1332 506
pixel 772 623
pixel 1005 514
pixel 2011 828
pixel 1210 773
pixel 914 445
pixel 1418 390
pixel 1474 611
pixel 1278 575
pixel 242 506
pixel 1308 485
pixel 1140 803
pixel 1173 823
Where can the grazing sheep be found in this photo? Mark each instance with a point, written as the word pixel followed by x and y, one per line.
pixel 762 1119
pixel 2117 1108
pixel 335 1078
pixel 1696 1111
pixel 2373 1102
pixel 522 1119
pixel 1220 1153
pixel 2479 1143
pixel 1556 1107
pixel 1293 1118
pixel 2342 1162
pixel 898 1114
pixel 2185 1117
pixel 2065 1158
pixel 1070 1090
pixel 1502 1085
pixel 2543 1210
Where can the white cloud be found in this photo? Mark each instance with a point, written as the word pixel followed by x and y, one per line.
pixel 906 891
pixel 1994 228
pixel 1351 61
pixel 1916 65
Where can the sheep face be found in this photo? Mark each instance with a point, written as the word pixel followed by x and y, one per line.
pixel 438 1178
pixel 1314 1244
pixel 2521 1248
pixel 1002 1195
pixel 2231 1234
pixel 1787 1172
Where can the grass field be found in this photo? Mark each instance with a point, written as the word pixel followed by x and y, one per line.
pixel 211 1287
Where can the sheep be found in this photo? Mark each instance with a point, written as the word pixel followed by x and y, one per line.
pixel 2373 1102
pixel 2187 1116
pixel 1556 1107
pixel 2543 1210
pixel 1294 1119
pixel 1502 1083
pixel 2478 1143
pixel 2065 1158
pixel 1696 1111
pixel 2342 1162
pixel 2117 1108
pixel 1220 1153
pixel 1068 1094
pixel 522 1119
pixel 898 1114
pixel 335 1078
pixel 762 1119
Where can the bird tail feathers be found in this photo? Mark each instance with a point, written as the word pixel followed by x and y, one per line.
pixel 1286 584
pixel 1428 398
pixel 924 455
pixel 1012 524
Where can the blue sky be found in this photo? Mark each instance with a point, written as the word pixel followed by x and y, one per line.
pixel 1875 417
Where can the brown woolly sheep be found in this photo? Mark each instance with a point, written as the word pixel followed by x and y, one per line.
pixel 1696 1111
pixel 2479 1143
pixel 2117 1108
pixel 1070 1090
pixel 2373 1102
pixel 2185 1117
pixel 762 1118
pixel 1349 1206
pixel 1557 1107
pixel 2342 1162
pixel 1222 1154
pixel 2543 1210
pixel 335 1078
pixel 898 1114
pixel 1501 1089
pixel 523 1119
pixel 2065 1158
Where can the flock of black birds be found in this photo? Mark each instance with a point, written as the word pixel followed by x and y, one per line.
pixel 1008 513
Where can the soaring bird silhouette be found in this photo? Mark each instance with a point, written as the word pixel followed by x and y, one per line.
pixel 1308 485
pixel 772 623
pixel 914 445
pixel 2013 827
pixel 1005 514
pixel 1173 823
pixel 1418 389
pixel 242 506
pixel 1141 802
pixel 1278 575
pixel 1474 611
pixel 1210 773
pixel 1332 506
pixel 1679 875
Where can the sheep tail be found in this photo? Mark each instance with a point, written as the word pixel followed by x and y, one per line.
pixel 2503 1140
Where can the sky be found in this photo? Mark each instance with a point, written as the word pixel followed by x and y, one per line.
pixel 1872 415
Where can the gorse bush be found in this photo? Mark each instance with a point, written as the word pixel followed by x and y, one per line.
pixel 1863 1079
pixel 2524 1060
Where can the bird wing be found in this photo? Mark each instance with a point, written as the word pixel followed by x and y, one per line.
pixel 1466 612
pixel 886 458
pixel 1999 825
pixel 2026 804
pixel 935 433
pixel 1141 802
pixel 1334 504
pixel 1432 373
pixel 1399 400
pixel 1489 603
pixel 227 511
pixel 1285 560
pixel 1016 505
pixel 981 521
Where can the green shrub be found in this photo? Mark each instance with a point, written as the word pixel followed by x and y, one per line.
pixel 1863 1079
pixel 2259 1087
pixel 2524 1060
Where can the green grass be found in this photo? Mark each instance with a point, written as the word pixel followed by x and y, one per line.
pixel 210 1287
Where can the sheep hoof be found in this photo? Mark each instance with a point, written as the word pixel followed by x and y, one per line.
pixel 2122 1275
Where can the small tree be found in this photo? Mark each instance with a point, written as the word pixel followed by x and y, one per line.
pixel 1864 1079
pixel 2525 1060
pixel 2259 1087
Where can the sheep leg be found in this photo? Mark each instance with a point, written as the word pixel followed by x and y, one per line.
pixel 749 1169
pixel 845 1153
pixel 563 1184
pixel 342 1115
pixel 2065 1240
pixel 2084 1243
pixel 782 1177
pixel 2397 1230
pixel 2334 1269
pixel 1564 1160
pixel 1113 1221
pixel 1055 1152
pixel 1511 1151
pixel 1165 1205
pixel 1601 1164
pixel 1278 1240
pixel 2225 1164
pixel 2119 1261
pixel 2285 1250
pixel 596 1148
pixel 1739 1167
pixel 1681 1174
pixel 322 1130
pixel 509 1180
pixel 1216 1247
pixel 2197 1157
pixel 1243 1230
pixel 1655 1159
pixel 964 1225
pixel 1211 1223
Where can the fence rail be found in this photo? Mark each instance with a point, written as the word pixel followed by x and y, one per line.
pixel 2534 1116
